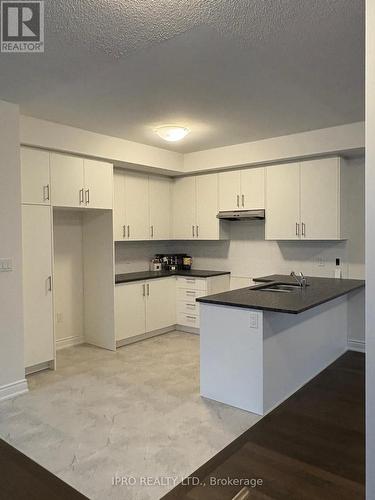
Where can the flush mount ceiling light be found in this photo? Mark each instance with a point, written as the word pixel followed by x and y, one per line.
pixel 172 133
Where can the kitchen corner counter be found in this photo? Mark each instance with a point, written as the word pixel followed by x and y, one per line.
pixel 318 291
pixel 149 275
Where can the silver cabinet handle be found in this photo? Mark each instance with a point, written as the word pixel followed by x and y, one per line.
pixel 144 290
pixel 238 201
pixel 128 231
pixel 46 192
pixel 148 290
pixel 191 317
pixel 197 231
pixel 81 200
pixel 49 281
pixel 152 231
pixel 190 293
pixel 243 200
pixel 297 229
pixel 303 229
pixel 193 230
pixel 124 231
pixel 87 196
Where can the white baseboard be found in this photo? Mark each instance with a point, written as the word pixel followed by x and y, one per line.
pixel 14 389
pixel 144 336
pixel 356 345
pixel 68 342
pixel 187 329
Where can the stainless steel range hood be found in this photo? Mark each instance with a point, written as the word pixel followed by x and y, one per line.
pixel 241 215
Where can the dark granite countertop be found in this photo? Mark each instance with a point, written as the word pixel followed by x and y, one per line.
pixel 318 291
pixel 149 275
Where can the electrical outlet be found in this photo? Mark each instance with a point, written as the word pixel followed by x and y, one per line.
pixel 59 318
pixel 320 261
pixel 253 320
pixel 6 265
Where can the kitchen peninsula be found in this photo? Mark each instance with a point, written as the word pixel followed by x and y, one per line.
pixel 260 344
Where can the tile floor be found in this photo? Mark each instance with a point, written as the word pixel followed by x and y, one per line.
pixel 134 414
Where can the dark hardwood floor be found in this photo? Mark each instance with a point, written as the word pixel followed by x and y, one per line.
pixel 23 479
pixel 309 448
pixel 312 447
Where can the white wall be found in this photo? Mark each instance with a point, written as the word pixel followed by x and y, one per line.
pixel 11 313
pixel 370 248
pixel 68 275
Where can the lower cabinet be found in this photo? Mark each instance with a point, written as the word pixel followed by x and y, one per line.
pixel 144 306
pixel 37 285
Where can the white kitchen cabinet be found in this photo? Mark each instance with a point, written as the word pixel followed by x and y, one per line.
pixel 37 285
pixel 130 309
pixel 195 207
pixel 307 200
pixel 160 204
pixel 119 228
pixel 98 182
pixel 67 181
pixel 136 207
pixel 252 188
pixel 160 303
pixel 78 183
pixel 184 208
pixel 242 189
pixel 229 190
pixel 320 199
pixel 208 225
pixel 283 202
pixel 35 176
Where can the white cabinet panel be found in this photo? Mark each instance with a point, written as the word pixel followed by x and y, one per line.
pixel 229 190
pixel 119 228
pixel 37 284
pixel 98 177
pixel 184 208
pixel 160 193
pixel 130 309
pixel 252 188
pixel 35 176
pixel 207 207
pixel 283 202
pixel 161 303
pixel 320 210
pixel 136 207
pixel 67 181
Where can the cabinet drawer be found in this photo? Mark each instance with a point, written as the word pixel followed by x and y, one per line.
pixel 186 295
pixel 192 283
pixel 190 307
pixel 188 320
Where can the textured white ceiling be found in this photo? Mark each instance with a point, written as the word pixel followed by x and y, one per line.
pixel 231 70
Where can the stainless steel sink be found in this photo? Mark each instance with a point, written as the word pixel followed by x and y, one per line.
pixel 277 287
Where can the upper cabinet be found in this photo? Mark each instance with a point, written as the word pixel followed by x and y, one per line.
pixel 160 205
pixel 242 189
pixel 195 207
pixel 142 207
pixel 306 201
pixel 35 177
pixel 81 183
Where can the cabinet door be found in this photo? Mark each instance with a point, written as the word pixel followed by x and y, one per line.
pixel 130 310
pixel 184 209
pixel 67 182
pixel 119 228
pixel 320 199
pixel 161 304
pixel 136 207
pixel 252 188
pixel 229 190
pixel 160 197
pixel 98 184
pixel 37 284
pixel 207 207
pixel 35 177
pixel 283 202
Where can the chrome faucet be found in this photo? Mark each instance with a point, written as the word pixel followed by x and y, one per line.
pixel 300 278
